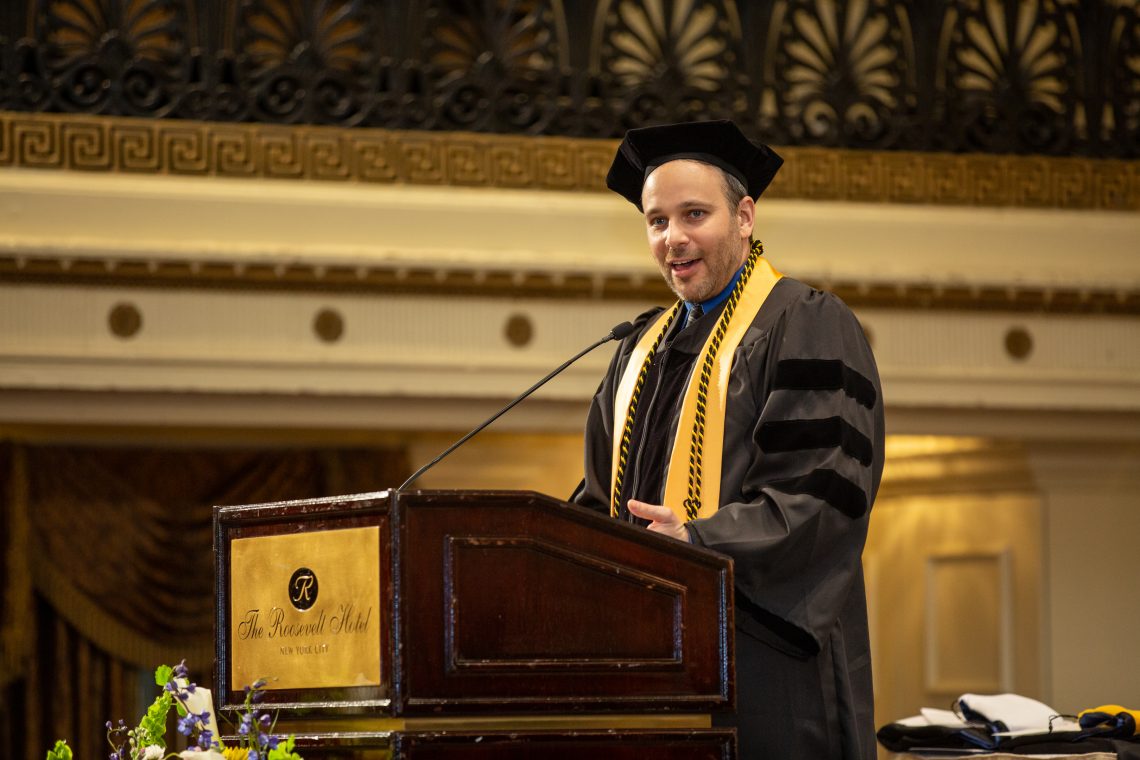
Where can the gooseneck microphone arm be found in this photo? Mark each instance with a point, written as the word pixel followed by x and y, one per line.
pixel 617 333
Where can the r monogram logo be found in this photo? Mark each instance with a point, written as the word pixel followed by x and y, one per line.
pixel 303 588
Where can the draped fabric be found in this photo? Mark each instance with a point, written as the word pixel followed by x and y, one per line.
pixel 108 571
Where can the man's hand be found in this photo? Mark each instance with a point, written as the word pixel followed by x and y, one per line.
pixel 663 519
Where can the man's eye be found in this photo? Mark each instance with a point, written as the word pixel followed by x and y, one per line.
pixel 657 221
pixel 696 213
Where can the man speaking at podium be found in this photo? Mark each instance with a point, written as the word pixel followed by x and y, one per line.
pixel 748 418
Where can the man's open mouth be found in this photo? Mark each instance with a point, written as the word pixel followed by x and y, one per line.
pixel 683 265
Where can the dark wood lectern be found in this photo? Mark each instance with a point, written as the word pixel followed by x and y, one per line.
pixel 470 624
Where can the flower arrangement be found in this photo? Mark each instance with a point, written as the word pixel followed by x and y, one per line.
pixel 147 740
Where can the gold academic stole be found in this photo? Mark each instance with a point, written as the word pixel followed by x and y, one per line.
pixel 697 447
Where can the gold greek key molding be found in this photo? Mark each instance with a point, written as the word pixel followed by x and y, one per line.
pixel 114 144
pixel 493 283
pixel 152 146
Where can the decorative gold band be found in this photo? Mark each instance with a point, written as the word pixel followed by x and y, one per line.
pixel 154 146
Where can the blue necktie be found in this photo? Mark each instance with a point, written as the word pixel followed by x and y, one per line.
pixel 695 312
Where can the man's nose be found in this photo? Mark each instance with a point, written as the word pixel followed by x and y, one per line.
pixel 676 237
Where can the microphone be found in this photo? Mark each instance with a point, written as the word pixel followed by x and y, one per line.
pixel 617 333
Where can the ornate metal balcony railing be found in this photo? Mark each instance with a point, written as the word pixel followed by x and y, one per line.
pixel 1053 77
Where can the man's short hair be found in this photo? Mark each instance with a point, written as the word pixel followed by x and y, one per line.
pixel 734 190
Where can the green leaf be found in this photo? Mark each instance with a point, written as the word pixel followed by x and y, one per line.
pixel 60 752
pixel 163 675
pixel 153 724
pixel 284 751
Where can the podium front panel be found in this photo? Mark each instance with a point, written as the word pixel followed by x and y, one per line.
pixel 517 602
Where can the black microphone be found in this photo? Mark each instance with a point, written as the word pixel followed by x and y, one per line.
pixel 617 333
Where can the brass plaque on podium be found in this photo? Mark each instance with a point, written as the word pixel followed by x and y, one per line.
pixel 305 609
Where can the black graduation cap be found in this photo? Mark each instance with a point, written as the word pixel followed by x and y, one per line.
pixel 720 143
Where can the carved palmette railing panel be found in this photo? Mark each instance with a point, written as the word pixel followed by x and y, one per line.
pixel 1122 102
pixel 1012 74
pixel 669 61
pixel 306 62
pixel 841 71
pixel 107 56
pixel 1051 77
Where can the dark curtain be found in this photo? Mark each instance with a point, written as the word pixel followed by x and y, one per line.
pixel 108 572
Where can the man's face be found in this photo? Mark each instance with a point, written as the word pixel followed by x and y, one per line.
pixel 697 240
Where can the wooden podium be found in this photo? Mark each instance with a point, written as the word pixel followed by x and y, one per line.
pixel 472 624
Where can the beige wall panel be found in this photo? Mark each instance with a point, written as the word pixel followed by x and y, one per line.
pixel 968 627
pixel 930 554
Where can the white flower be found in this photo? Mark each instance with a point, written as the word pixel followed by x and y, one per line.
pixel 198 754
pixel 153 752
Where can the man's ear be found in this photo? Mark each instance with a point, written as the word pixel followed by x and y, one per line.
pixel 746 216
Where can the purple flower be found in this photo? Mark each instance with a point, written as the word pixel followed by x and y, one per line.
pixel 205 739
pixel 187 723
pixel 179 670
pixel 253 755
pixel 243 729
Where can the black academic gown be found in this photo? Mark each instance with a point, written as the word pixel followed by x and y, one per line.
pixel 803 454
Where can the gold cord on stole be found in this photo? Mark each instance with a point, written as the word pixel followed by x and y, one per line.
pixel 700 430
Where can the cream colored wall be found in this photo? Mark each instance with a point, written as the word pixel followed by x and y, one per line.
pixel 1091 501
pixel 328 223
pixel 407 360
pixel 954 592
pixel 547 463
pixel 424 370
pixel 954 574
